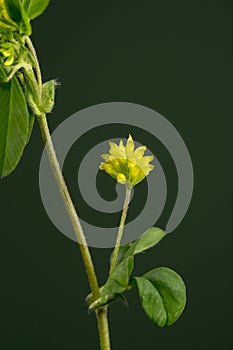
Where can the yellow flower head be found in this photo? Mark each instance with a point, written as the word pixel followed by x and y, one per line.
pixel 127 164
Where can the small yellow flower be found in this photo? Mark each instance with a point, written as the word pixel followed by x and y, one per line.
pixel 127 164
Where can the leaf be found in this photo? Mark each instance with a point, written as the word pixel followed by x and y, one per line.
pixel 14 126
pixel 172 289
pixel 119 279
pixel 122 250
pixel 152 302
pixel 18 15
pixel 116 284
pixel 48 96
pixel 35 8
pixel 13 8
pixel 102 301
pixel 163 295
pixel 3 75
pixel 25 25
pixel 147 240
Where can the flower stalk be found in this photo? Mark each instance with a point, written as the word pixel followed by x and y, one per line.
pixel 128 189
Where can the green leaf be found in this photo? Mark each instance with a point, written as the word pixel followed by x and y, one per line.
pixel 122 251
pixel 116 284
pixel 102 301
pixel 119 279
pixel 48 96
pixel 147 240
pixel 25 25
pixel 13 8
pixel 18 15
pixel 35 8
pixel 164 294
pixel 3 75
pixel 14 126
pixel 152 302
pixel 172 289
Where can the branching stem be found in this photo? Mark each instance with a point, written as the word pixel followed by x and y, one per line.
pixel 55 166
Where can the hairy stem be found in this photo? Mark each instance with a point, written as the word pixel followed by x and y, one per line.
pixel 37 65
pixel 69 205
pixel 121 227
pixel 86 256
pixel 102 318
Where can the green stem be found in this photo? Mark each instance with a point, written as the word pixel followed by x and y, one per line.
pixel 121 227
pixel 37 65
pixel 16 68
pixel 86 256
pixel 69 205
pixel 102 318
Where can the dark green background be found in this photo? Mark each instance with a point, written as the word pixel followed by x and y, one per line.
pixel 172 56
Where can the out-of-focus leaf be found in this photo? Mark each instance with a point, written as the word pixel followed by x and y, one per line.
pixel 3 75
pixel 13 8
pixel 35 8
pixel 18 15
pixel 14 126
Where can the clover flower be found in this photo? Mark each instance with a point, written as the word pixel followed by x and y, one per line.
pixel 127 164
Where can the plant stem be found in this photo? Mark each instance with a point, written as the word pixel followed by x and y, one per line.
pixel 37 65
pixel 69 205
pixel 102 318
pixel 85 252
pixel 121 227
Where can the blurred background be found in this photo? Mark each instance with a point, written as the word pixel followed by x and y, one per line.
pixel 176 58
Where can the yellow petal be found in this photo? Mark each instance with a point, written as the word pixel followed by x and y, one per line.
pixel 121 178
pixel 144 161
pixel 129 148
pixel 139 152
pixel 147 169
pixel 115 150
pixel 106 157
pixel 121 146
